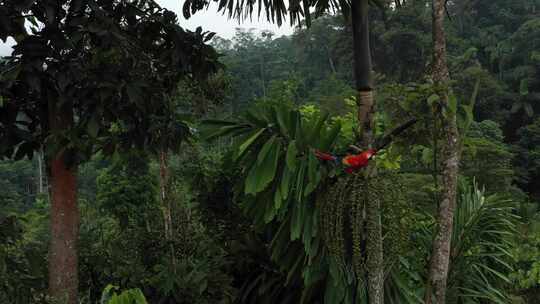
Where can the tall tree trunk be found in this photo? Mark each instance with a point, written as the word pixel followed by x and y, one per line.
pixel 440 256
pixel 64 216
pixel 164 175
pixel 163 185
pixel 362 69
pixel 365 101
pixel 330 60
pixel 39 186
pixel 262 76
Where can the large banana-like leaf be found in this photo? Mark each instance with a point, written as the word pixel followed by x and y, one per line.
pixel 274 147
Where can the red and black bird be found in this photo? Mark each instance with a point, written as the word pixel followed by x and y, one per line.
pixel 354 162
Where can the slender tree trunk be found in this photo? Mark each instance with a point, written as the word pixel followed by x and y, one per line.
pixel 262 77
pixel 365 101
pixel 164 175
pixel 440 256
pixel 163 183
pixel 330 60
pixel 64 217
pixel 40 178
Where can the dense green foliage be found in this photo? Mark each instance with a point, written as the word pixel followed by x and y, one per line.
pixel 56 71
pixel 256 218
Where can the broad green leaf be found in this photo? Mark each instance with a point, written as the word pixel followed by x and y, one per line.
pixel 285 185
pixel 270 212
pixel 250 141
pixel 106 294
pixel 313 175
pixel 292 152
pixel 233 130
pixel 296 222
pixel 300 180
pixel 251 180
pixel 265 149
pixel 308 225
pixel 261 174
pixel 302 215
pixel 278 198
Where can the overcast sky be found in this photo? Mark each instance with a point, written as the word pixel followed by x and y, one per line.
pixel 210 20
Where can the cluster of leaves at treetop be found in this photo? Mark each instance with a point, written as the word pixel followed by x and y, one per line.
pixel 108 64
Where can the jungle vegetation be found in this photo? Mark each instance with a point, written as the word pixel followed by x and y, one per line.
pixel 141 162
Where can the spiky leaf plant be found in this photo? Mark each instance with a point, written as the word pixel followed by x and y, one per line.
pixel 484 228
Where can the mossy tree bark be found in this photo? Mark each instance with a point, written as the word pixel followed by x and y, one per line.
pixel 440 256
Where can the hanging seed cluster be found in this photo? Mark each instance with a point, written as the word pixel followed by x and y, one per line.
pixel 343 217
pixel 332 204
pixel 396 218
pixel 358 225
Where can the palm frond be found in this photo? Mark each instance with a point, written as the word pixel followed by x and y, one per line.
pixel 480 254
pixel 275 11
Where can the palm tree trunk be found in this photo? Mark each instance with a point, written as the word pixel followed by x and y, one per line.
pixel 362 69
pixel 440 257
pixel 365 101
pixel 64 216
